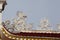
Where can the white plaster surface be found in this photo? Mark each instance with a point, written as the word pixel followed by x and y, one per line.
pixel 0 20
pixel 1 5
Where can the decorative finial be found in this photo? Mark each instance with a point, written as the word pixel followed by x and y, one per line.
pixel 44 23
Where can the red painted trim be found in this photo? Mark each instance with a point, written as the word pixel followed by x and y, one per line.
pixel 37 34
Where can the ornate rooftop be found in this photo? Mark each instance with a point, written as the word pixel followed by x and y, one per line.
pixel 19 25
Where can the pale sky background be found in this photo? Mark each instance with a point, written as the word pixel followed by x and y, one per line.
pixel 35 10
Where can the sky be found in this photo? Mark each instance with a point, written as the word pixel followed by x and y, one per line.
pixel 35 11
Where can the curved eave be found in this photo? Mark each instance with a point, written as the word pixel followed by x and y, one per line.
pixel 27 34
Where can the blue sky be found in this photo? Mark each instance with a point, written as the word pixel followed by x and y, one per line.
pixel 35 10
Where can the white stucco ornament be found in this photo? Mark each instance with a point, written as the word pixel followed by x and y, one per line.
pixel 44 23
pixel 58 26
